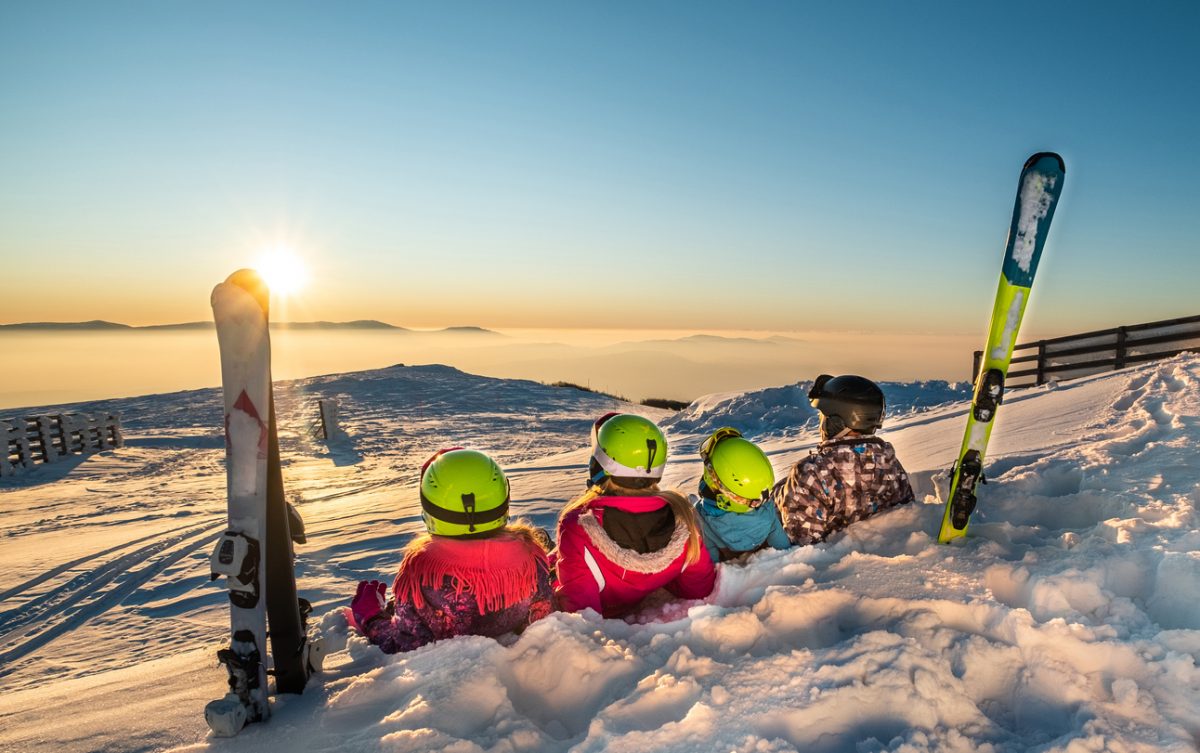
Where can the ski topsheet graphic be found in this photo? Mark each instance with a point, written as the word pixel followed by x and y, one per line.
pixel 1037 195
pixel 240 310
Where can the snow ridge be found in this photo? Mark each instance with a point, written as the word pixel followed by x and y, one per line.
pixel 785 411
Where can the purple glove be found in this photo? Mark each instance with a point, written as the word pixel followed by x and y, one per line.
pixel 370 601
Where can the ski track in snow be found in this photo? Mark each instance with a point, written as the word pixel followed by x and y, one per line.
pixel 1069 619
pixel 101 585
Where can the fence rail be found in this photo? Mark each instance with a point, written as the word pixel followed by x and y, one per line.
pixel 1073 356
pixel 47 439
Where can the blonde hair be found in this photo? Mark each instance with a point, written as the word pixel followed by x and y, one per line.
pixel 678 503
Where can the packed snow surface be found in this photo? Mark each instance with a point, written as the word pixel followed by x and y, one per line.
pixel 1068 620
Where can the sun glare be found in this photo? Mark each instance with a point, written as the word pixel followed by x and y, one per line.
pixel 283 271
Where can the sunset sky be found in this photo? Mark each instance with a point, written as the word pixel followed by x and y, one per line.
pixel 775 166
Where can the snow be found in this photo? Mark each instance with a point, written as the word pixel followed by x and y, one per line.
pixel 1067 620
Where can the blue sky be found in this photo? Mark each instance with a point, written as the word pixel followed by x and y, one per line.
pixel 709 165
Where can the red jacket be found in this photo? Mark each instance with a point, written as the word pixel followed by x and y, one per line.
pixel 450 587
pixel 595 571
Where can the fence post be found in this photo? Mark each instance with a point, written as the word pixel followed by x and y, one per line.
pixel 19 436
pixel 45 439
pixel 114 428
pixel 98 428
pixel 1120 363
pixel 329 419
pixel 1041 363
pixel 100 432
pixel 67 422
pixel 8 433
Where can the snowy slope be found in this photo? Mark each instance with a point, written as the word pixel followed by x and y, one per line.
pixel 784 411
pixel 1069 619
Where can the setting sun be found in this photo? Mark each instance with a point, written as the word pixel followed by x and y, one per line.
pixel 284 272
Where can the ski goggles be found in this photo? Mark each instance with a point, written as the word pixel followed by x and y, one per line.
pixel 818 389
pixel 710 444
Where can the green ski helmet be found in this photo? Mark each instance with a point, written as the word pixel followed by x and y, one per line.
pixel 463 493
pixel 736 471
pixel 629 449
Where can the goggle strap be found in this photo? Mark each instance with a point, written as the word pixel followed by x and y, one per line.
pixel 600 422
pixel 470 517
pixel 710 444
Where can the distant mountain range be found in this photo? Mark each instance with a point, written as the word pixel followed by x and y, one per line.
pixel 360 324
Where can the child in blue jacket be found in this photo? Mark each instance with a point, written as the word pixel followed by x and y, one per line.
pixel 736 515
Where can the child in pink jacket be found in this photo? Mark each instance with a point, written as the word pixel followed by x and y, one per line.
pixel 624 539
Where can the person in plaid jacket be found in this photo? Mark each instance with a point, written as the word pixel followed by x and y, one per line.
pixel 852 474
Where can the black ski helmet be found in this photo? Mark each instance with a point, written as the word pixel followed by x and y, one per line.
pixel 848 402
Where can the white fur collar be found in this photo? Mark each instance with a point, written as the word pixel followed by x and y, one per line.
pixel 628 559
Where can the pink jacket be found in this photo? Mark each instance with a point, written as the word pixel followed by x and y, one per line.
pixel 593 570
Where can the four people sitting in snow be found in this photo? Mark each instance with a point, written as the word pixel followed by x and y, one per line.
pixel 475 573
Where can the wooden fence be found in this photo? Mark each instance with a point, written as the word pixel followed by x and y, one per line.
pixel 1094 352
pixel 47 439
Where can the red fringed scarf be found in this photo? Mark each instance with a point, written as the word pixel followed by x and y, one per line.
pixel 499 571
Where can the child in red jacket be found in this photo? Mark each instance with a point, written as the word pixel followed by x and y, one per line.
pixel 475 573
pixel 624 539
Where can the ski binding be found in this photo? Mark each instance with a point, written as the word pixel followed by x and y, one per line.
pixel 236 558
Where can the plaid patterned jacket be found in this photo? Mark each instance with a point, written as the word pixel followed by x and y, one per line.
pixel 839 483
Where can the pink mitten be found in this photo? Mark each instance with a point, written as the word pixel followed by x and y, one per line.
pixel 370 601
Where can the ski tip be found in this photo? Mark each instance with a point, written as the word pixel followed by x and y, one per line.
pixel 1040 156
pixel 253 283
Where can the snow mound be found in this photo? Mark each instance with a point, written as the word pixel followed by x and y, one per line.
pixel 785 411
